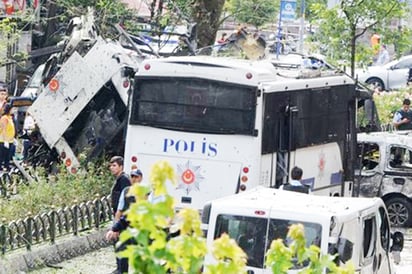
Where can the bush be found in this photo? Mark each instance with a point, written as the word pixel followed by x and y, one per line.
pixel 387 103
pixel 60 190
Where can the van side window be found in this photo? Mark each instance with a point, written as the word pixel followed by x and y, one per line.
pixel 384 229
pixel 400 158
pixel 369 237
pixel 368 156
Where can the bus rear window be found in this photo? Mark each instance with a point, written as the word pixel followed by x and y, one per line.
pixel 194 105
pixel 250 234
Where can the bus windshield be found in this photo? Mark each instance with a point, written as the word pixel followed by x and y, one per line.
pixel 194 105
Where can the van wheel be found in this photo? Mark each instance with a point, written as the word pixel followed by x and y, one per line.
pixel 399 211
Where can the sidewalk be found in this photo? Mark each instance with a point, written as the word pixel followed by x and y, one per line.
pixel 101 261
pixel 22 261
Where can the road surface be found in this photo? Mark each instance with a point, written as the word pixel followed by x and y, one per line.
pixel 103 261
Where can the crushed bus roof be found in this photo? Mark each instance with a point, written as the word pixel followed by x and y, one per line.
pixel 261 70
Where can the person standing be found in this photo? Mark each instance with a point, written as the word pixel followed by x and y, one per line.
pixel 7 134
pixel 375 42
pixel 121 223
pixel 403 117
pixel 28 127
pixel 4 93
pixel 122 180
pixel 383 57
pixel 125 200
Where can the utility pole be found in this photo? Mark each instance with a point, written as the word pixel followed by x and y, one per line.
pixel 302 25
pixel 279 35
pixel 287 12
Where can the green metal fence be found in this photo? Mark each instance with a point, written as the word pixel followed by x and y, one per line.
pixel 47 227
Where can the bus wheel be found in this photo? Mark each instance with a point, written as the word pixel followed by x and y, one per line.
pixel 399 211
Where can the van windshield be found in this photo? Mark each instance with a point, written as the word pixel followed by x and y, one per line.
pixel 254 235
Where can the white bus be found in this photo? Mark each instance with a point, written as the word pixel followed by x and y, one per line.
pixel 228 125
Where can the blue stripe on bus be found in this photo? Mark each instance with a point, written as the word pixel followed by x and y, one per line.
pixel 309 182
pixel 336 178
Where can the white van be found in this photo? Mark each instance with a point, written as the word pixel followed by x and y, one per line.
pixel 356 229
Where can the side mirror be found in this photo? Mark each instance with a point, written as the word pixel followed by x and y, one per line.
pixel 397 241
pixel 345 249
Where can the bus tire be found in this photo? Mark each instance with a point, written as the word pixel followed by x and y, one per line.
pixel 399 211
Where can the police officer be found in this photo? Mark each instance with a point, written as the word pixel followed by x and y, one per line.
pixel 402 120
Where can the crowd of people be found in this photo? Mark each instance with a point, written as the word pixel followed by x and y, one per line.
pixel 9 130
pixel 121 199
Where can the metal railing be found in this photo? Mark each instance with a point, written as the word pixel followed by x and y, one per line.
pixel 47 227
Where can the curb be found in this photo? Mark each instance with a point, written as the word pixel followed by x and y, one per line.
pixel 51 254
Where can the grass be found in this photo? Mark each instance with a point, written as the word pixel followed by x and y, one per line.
pixel 63 189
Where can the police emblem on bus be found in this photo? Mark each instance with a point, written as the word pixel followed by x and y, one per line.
pixel 190 177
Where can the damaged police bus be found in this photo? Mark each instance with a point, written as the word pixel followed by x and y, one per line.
pixel 227 125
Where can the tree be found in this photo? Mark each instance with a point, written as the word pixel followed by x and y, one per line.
pixel 341 27
pixel 9 35
pixel 308 3
pixel 255 13
pixel 107 12
pixel 206 14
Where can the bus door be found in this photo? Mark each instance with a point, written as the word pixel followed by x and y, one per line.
pixel 279 114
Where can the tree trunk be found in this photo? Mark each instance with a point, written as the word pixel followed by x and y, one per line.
pixel 206 14
pixel 352 52
pixel 51 27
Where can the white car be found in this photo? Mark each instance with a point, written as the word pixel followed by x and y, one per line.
pixel 393 75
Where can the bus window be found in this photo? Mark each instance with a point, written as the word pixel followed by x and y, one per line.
pixel 314 112
pixel 194 105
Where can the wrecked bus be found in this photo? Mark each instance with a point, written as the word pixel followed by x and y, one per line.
pixel 82 104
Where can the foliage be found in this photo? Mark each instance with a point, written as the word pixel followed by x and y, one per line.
pixel 401 40
pixel 280 257
pixel 205 13
pixel 9 35
pixel 341 27
pixel 255 13
pixel 63 189
pixel 153 252
pixel 223 249
pixel 107 12
pixel 308 4
pixel 10 32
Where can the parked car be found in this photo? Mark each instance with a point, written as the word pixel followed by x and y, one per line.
pixel 391 76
